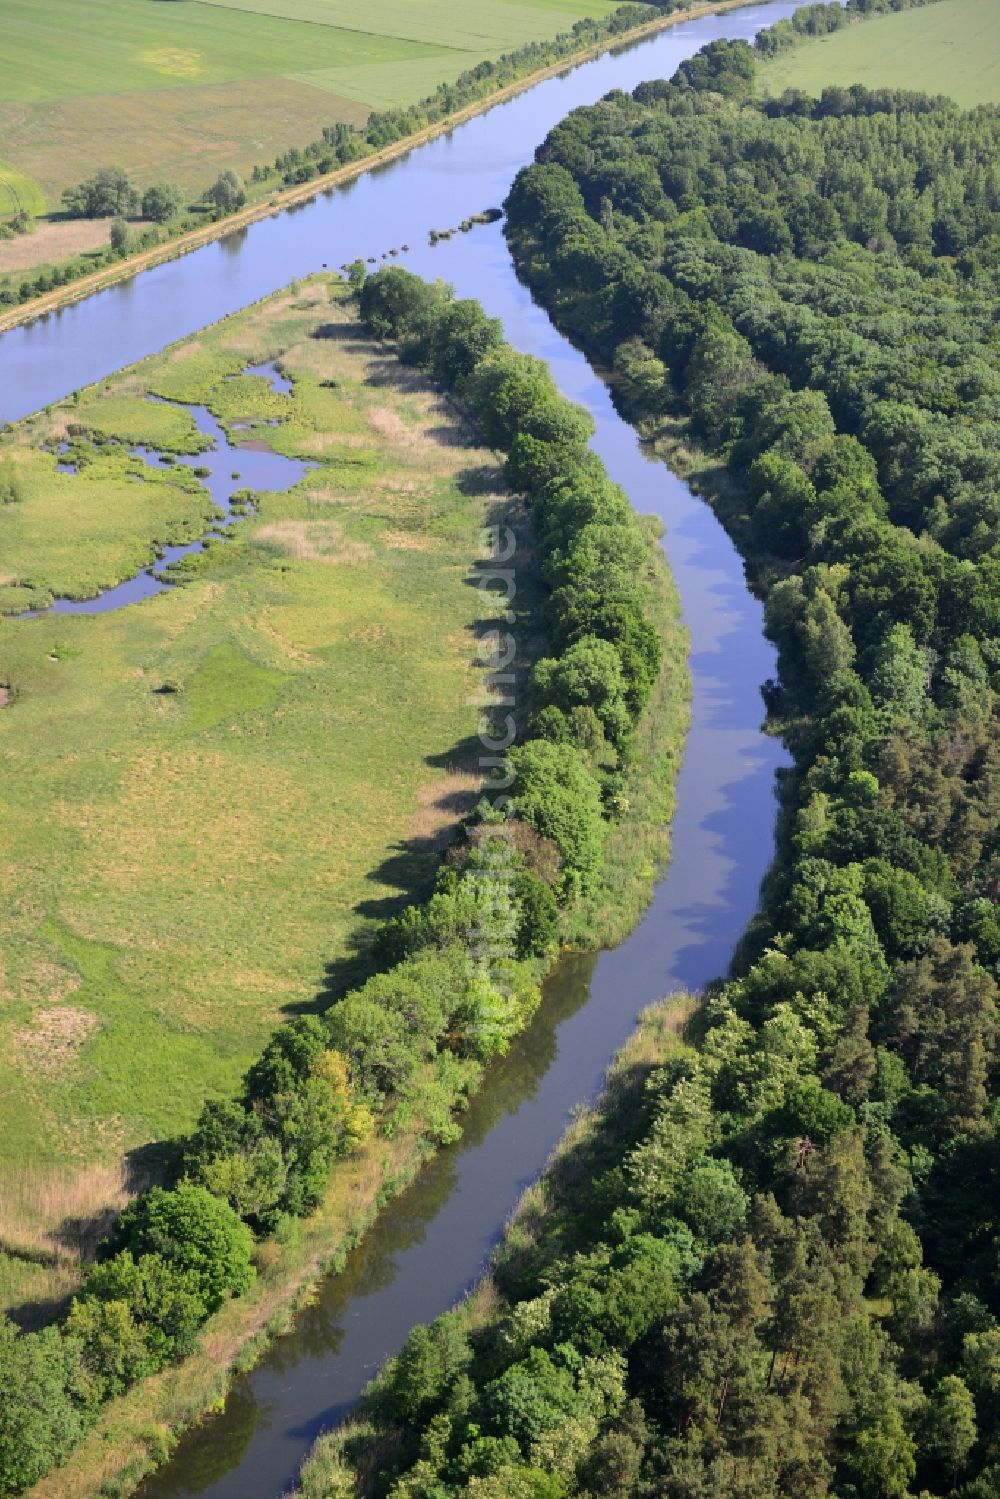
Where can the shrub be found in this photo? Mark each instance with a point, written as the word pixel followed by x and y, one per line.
pixel 192 1230
pixel 558 795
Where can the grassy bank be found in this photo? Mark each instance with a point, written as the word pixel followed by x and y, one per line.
pixel 137 1432
pixel 313 338
pixel 544 1222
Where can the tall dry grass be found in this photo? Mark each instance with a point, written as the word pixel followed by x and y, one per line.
pixel 50 1226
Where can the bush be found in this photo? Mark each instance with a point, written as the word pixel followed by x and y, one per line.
pixel 45 1403
pixel 193 1231
pixel 227 192
pixel 161 202
pixel 107 194
pixel 558 795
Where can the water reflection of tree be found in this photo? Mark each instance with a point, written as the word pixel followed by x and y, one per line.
pixel 208 1452
pixel 213 1451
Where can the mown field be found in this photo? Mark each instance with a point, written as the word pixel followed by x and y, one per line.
pixel 952 47
pixel 184 90
pixel 18 193
pixel 182 869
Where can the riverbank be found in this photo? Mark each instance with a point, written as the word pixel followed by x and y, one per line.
pixel 136 1431
pixel 832 501
pixel 195 239
pixel 369 498
pixel 597 1137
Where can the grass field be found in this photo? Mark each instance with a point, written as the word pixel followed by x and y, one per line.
pixel 19 193
pixel 178 870
pixel 182 91
pixel 952 47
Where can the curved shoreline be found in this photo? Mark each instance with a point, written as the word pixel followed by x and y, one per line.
pixel 196 239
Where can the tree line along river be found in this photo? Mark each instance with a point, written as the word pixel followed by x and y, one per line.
pixel 431 1243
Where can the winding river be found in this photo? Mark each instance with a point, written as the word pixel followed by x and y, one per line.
pixel 431 1243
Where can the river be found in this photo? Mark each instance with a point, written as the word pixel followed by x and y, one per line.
pixel 430 1245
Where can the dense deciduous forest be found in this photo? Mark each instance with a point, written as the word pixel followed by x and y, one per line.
pixel 784 1278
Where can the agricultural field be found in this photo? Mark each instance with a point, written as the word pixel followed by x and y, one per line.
pixel 207 796
pixel 187 89
pixel 952 47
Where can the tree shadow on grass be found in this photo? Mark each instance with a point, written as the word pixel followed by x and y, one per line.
pixel 75 1241
pixel 409 870
pixel 411 864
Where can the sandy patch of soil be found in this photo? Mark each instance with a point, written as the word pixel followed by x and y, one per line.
pixel 184 351
pixel 54 1038
pixel 410 541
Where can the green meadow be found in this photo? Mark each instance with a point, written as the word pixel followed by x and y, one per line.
pixel 207 797
pixel 951 47
pixel 185 90
pixel 18 193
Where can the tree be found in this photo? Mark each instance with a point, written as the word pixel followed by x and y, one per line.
pixel 514 393
pixel 196 1232
pixel 227 191
pixel 941 1014
pixel 165 1301
pixel 557 794
pixel 44 1403
pixel 161 201
pixel 531 1397
pixel 430 1359
pixel 711 1199
pixel 463 336
pixel 949 1425
pixel 288 1059
pixel 109 193
pixel 396 304
pixel 849 1064
pixel 121 237
pixel 588 675
pixel 115 1348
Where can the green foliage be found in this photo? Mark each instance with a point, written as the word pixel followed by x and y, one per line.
pixel 799 268
pixel 463 969
pixel 44 1403
pixel 165 1301
pixel 196 1232
pixel 161 202
pixel 557 794
pixel 121 237
pixel 429 1363
pixel 109 193
pixel 227 192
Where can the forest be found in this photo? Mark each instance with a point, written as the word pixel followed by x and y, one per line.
pixel 778 1274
